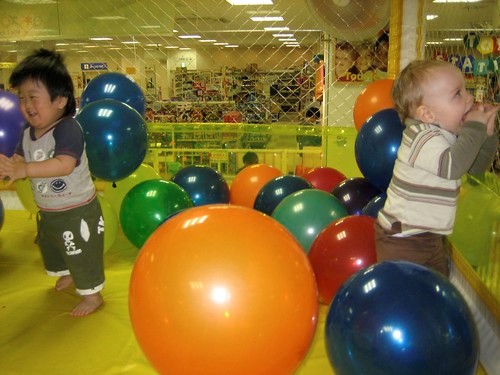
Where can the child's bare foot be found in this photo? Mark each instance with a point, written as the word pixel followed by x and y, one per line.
pixel 64 282
pixel 88 305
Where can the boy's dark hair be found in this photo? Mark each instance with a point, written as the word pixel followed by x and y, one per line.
pixel 313 112
pixel 48 68
pixel 250 158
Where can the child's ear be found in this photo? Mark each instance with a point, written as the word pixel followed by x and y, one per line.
pixel 61 101
pixel 424 114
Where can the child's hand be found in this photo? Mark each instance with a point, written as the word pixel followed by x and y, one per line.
pixel 490 125
pixel 486 114
pixel 12 168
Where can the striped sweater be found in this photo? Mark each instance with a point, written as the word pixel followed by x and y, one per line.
pixel 423 192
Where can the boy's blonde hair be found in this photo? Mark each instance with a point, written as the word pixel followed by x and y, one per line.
pixel 407 92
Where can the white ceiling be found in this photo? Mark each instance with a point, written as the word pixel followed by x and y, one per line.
pixel 25 24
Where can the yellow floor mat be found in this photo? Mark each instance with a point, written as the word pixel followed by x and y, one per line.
pixel 38 336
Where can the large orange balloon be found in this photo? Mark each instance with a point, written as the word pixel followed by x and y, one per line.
pixel 375 97
pixel 247 183
pixel 343 248
pixel 222 289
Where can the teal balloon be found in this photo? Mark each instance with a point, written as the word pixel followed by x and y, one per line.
pixel 116 138
pixel 147 205
pixel 475 233
pixel 307 212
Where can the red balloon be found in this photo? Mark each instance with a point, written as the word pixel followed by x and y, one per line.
pixel 324 178
pixel 343 248
pixel 375 97
pixel 247 183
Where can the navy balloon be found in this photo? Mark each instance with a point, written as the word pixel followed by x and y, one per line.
pixel 116 138
pixel 376 147
pixel 203 184
pixel 11 123
pixel 355 193
pixel 117 86
pixel 398 317
pixel 375 205
pixel 273 192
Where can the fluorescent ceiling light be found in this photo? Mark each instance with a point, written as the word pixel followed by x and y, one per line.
pixel 456 1
pixel 150 27
pixel 172 47
pixel 231 46
pixel 207 41
pixel 434 43
pixel 283 35
pixel 267 18
pixel 453 39
pixel 193 36
pixel 131 42
pixel 250 2
pixel 108 18
pixel 431 17
pixel 184 49
pixel 287 39
pixel 101 38
pixel 221 44
pixel 274 28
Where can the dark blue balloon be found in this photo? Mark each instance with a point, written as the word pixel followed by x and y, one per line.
pixel 203 184
pixel 396 318
pixel 11 123
pixel 375 205
pixel 116 138
pixel 273 192
pixel 117 86
pixel 355 193
pixel 377 145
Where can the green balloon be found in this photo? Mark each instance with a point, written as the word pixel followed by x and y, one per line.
pixel 147 205
pixel 476 233
pixel 307 212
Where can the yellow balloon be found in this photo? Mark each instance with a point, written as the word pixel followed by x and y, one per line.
pixel 25 195
pixel 115 192
pixel 110 222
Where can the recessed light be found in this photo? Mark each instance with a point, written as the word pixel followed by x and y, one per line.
pixel 267 18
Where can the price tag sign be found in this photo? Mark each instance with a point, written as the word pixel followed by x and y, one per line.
pixel 218 156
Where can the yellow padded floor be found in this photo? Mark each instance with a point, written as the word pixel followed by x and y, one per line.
pixel 37 335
